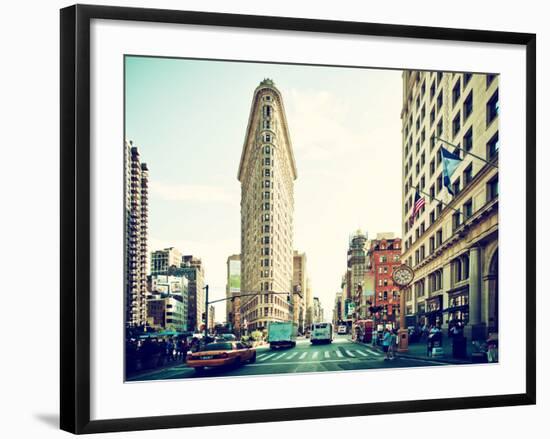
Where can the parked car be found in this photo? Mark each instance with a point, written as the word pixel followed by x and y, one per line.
pixel 221 354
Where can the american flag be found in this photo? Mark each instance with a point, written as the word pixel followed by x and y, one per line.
pixel 418 204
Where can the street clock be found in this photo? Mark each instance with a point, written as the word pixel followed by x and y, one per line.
pixel 403 275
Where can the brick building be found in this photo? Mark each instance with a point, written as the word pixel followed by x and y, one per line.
pixel 385 254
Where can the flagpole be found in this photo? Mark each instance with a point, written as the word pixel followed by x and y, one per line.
pixel 438 200
pixel 467 152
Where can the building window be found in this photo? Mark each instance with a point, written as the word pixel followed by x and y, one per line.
pixel 440 128
pixel 439 77
pixel 432 116
pixel 457 220
pixel 456 187
pixel 456 124
pixel 440 101
pixel 492 147
pixel 432 90
pixel 467 77
pixel 492 108
pixel 432 142
pixel 492 189
pixel 489 79
pixel 432 217
pixel 267 183
pixel 439 238
pixel 456 92
pixel 468 105
pixel 439 182
pixel 467 175
pixel 267 139
pixel 467 209
pixel 432 167
pixel 468 140
pixel 432 244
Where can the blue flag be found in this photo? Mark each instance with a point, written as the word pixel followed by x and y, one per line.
pixel 450 163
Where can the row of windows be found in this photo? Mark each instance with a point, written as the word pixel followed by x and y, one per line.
pixel 492 111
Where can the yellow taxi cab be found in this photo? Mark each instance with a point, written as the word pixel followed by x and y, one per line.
pixel 222 353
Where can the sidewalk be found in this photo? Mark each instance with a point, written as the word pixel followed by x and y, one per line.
pixel 418 351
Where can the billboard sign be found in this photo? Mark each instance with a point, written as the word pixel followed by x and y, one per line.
pixel 234 276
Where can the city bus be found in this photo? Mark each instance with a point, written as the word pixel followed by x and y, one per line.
pixel 321 333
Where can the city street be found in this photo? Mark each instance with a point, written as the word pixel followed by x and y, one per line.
pixel 342 354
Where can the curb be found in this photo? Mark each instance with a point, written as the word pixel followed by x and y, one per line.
pixel 416 357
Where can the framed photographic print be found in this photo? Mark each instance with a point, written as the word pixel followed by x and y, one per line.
pixel 304 216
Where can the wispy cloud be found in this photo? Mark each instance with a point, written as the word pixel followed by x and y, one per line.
pixel 323 124
pixel 193 193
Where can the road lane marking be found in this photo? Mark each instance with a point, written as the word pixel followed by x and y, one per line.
pixel 292 355
pixel 315 355
pixel 364 354
pixel 303 356
pixel 262 355
pixel 339 354
pixel 349 353
pixel 280 356
pixel 327 354
pixel 370 351
pixel 267 357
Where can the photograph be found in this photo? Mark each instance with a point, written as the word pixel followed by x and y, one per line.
pixel 296 218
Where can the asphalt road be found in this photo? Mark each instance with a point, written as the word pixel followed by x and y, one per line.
pixel 341 355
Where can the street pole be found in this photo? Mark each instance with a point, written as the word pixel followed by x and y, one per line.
pixel 403 332
pixel 206 312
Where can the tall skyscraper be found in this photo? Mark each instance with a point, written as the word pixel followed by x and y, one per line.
pixel 267 171
pixel 452 241
pixel 299 289
pixel 357 265
pixel 193 269
pixel 136 214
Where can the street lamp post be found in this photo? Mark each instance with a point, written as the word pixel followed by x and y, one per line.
pixel 402 276
pixel 206 312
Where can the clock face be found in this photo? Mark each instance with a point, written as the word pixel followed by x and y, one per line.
pixel 403 275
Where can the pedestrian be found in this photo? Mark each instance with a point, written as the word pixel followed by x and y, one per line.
pixel 374 336
pixel 392 345
pixel 386 341
pixel 492 348
pixel 429 343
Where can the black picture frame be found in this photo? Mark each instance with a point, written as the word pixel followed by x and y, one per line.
pixel 75 217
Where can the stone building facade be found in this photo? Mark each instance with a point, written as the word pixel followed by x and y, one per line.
pixel 452 244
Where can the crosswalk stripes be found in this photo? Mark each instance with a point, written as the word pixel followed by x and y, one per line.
pixel 300 355
pixel 370 351
pixel 266 357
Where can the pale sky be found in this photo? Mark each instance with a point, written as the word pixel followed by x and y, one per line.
pixel 188 118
